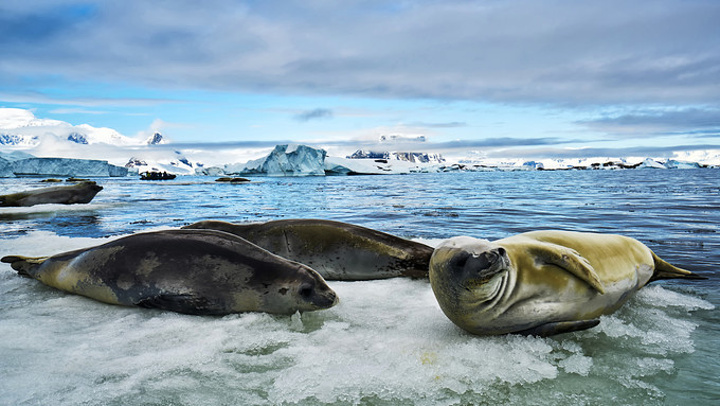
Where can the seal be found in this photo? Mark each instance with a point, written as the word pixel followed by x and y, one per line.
pixel 338 251
pixel 82 192
pixel 202 272
pixel 543 282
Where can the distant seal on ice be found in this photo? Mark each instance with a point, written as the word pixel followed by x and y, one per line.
pixel 202 272
pixel 541 283
pixel 82 192
pixel 338 251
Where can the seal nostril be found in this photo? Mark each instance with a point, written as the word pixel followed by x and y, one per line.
pixel 501 251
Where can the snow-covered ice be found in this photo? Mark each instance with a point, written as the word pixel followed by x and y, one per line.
pixel 387 340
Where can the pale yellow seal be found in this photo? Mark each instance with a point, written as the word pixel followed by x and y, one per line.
pixel 543 282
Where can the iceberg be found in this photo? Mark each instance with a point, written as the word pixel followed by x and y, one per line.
pixel 284 160
pixel 59 167
pixel 6 162
pixel 673 164
pixel 651 164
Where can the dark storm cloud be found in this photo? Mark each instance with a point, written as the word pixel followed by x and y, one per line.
pixel 314 114
pixel 526 51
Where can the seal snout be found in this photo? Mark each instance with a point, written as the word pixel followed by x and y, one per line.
pixel 486 264
pixel 317 293
pixel 323 297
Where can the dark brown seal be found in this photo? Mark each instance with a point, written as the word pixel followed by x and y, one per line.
pixel 82 192
pixel 202 272
pixel 338 251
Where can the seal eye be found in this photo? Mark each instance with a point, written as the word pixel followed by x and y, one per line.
pixel 305 290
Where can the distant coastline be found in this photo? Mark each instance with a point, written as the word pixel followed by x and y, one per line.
pixel 303 160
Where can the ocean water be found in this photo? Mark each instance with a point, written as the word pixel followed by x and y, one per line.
pixel 387 342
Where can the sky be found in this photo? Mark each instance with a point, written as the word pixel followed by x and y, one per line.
pixel 498 78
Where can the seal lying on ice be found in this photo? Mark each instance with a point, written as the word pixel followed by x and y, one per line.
pixel 82 192
pixel 202 272
pixel 338 251
pixel 541 283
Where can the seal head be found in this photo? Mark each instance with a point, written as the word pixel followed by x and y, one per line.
pixel 466 275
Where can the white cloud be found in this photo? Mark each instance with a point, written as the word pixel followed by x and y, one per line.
pixel 518 51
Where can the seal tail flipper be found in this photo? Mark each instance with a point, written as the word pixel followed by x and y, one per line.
pixel 23 265
pixel 664 270
pixel 559 327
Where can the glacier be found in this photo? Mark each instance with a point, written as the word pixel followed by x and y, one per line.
pixel 21 164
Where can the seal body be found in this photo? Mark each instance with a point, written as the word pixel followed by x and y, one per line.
pixel 82 192
pixel 338 251
pixel 541 283
pixel 187 271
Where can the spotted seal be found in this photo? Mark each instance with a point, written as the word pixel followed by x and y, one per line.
pixel 203 272
pixel 337 250
pixel 541 283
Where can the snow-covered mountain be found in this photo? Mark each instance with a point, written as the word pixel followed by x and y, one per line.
pixel 21 128
pixel 156 139
pixel 176 163
pixel 19 140
pixel 420 157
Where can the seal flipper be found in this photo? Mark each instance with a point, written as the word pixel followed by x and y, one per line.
pixel 183 303
pixel 664 270
pixel 559 327
pixel 571 261
pixel 25 266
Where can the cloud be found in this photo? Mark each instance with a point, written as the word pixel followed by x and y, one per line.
pixel 641 151
pixel 701 122
pixel 452 124
pixel 519 51
pixel 503 142
pixel 314 115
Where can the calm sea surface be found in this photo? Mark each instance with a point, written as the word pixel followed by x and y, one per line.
pixel 387 342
